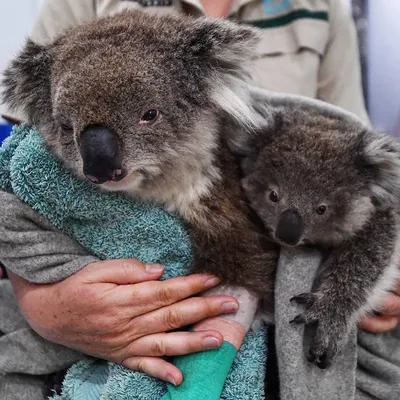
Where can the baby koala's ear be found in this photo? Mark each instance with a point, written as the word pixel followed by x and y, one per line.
pixel 246 145
pixel 26 83
pixel 379 159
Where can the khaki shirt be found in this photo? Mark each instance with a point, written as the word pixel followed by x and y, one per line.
pixel 308 47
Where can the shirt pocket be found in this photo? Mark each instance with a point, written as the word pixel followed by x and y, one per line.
pixel 303 35
pixel 289 57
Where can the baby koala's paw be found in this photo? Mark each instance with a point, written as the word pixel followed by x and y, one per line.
pixel 330 330
pixel 312 312
pixel 326 344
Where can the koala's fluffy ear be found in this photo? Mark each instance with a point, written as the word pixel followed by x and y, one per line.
pixel 379 156
pixel 230 45
pixel 26 82
pixel 247 144
pixel 228 49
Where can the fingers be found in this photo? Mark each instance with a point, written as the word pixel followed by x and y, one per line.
pixel 150 296
pixel 121 272
pixel 391 305
pixel 379 324
pixel 175 343
pixel 156 367
pixel 184 313
pixel 232 331
pixel 389 316
pixel 168 344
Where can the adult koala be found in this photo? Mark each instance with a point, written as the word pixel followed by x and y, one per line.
pixel 134 103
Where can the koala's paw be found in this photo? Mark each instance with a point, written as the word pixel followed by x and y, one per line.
pixel 312 313
pixel 323 350
pixel 329 333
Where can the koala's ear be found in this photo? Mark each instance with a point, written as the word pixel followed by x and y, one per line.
pixel 227 50
pixel 26 82
pixel 379 158
pixel 248 144
pixel 230 45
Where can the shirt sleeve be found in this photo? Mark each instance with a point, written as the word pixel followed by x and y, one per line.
pixel 32 248
pixel 55 16
pixel 339 80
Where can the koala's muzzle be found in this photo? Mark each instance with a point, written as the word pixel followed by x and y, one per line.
pixel 290 227
pixel 101 154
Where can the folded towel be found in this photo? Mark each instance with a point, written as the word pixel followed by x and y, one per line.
pixel 111 226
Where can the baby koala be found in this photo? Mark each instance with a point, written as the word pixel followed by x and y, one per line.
pixel 318 176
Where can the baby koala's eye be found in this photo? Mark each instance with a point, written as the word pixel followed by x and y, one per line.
pixel 321 210
pixel 66 128
pixel 149 117
pixel 273 196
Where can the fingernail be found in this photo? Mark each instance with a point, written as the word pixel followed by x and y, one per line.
pixel 171 379
pixel 154 268
pixel 211 282
pixel 229 307
pixel 211 342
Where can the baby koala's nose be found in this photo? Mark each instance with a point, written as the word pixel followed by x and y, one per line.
pixel 290 227
pixel 101 154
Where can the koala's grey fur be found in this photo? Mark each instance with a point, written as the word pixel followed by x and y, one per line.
pixel 109 72
pixel 313 155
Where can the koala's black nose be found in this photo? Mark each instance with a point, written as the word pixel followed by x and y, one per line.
pixel 101 154
pixel 290 227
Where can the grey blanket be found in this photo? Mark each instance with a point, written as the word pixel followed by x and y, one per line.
pixel 368 369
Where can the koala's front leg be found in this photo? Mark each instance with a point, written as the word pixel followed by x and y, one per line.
pixel 355 277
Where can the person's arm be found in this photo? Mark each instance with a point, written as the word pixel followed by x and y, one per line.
pixel 55 16
pixel 339 80
pixel 116 310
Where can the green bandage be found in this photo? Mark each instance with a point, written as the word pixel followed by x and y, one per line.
pixel 204 374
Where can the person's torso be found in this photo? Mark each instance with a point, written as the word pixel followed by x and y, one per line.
pixel 294 35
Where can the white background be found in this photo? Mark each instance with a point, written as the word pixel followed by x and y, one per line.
pixel 384 63
pixel 16 20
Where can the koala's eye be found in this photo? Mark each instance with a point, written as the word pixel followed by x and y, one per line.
pixel 321 210
pixel 273 196
pixel 67 128
pixel 149 117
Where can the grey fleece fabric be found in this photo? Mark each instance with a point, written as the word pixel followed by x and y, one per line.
pixel 31 247
pixel 35 250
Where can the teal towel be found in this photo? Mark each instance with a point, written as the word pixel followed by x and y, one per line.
pixel 113 226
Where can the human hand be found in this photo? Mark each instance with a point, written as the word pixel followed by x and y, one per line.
pixel 117 310
pixel 389 314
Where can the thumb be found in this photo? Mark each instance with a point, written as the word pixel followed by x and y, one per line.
pixel 121 272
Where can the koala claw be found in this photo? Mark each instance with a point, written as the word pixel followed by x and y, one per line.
pixel 305 318
pixel 311 314
pixel 323 351
pixel 327 337
pixel 322 361
pixel 304 298
pixel 298 320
